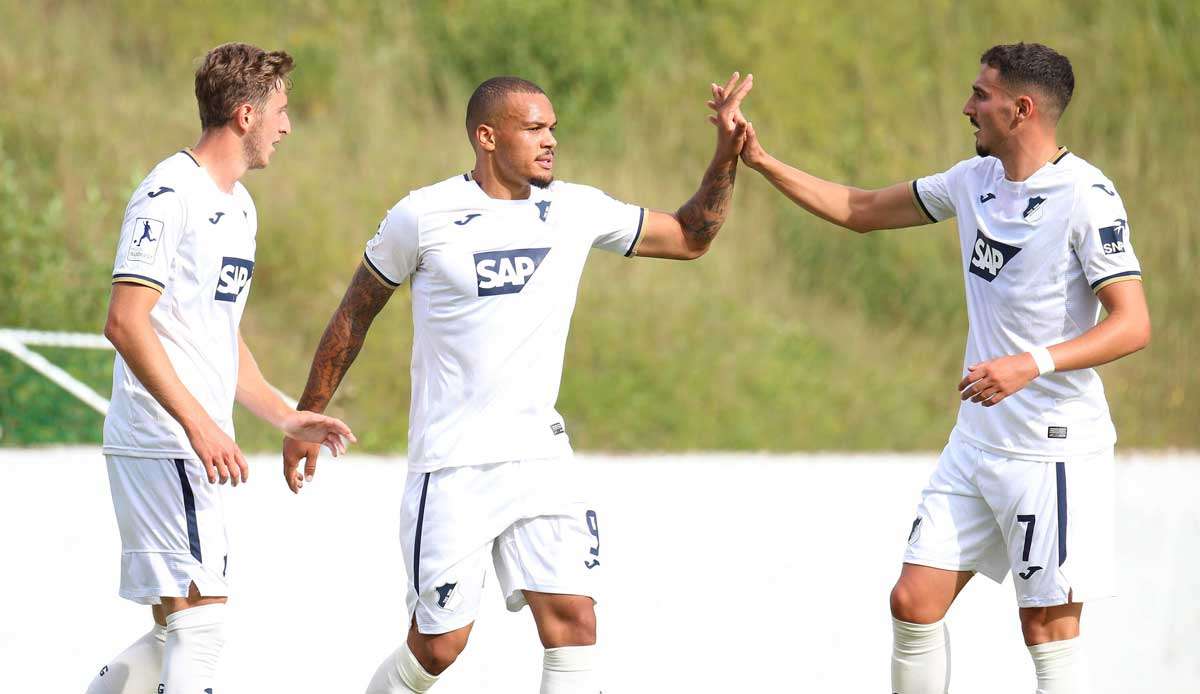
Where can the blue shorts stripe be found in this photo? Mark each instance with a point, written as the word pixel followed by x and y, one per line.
pixel 189 510
pixel 1060 473
pixel 417 541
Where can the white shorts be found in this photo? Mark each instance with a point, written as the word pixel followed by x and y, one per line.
pixel 172 524
pixel 1050 524
pixel 527 518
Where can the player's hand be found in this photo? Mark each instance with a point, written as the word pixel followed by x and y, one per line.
pixel 753 153
pixel 991 381
pixel 221 457
pixel 727 102
pixel 318 428
pixel 293 452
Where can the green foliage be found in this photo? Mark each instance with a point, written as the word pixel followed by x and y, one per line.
pixel 790 335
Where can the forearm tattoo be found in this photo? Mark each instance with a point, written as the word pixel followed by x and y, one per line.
pixel 343 338
pixel 702 216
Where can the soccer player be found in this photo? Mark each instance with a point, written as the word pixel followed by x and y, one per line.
pixel 183 269
pixel 1025 482
pixel 494 256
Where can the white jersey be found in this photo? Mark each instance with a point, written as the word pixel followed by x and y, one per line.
pixel 186 238
pixel 493 288
pixel 1034 254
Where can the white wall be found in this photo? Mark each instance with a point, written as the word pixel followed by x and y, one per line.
pixel 725 573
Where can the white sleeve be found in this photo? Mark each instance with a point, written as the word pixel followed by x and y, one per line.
pixel 934 195
pixel 615 226
pixel 150 236
pixel 392 254
pixel 1100 237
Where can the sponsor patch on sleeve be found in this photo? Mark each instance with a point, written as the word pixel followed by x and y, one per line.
pixel 143 245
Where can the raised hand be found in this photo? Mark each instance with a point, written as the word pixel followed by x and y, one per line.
pixel 752 152
pixel 727 102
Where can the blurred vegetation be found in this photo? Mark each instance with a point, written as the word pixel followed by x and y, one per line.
pixel 791 335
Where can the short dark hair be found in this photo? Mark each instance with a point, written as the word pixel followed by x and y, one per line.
pixel 490 96
pixel 1034 65
pixel 237 73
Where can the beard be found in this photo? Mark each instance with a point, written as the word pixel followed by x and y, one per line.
pixel 253 149
pixel 982 151
pixel 542 181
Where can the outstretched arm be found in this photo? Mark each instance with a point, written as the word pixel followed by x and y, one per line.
pixel 343 338
pixel 687 234
pixel 856 209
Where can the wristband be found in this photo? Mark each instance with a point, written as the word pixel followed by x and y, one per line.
pixel 1045 362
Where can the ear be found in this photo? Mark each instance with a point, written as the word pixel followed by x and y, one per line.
pixel 243 117
pixel 485 137
pixel 1026 107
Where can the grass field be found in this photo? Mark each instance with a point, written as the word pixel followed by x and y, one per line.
pixel 790 335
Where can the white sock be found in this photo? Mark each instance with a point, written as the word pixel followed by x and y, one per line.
pixel 569 670
pixel 194 640
pixel 401 673
pixel 1059 667
pixel 920 658
pixel 134 670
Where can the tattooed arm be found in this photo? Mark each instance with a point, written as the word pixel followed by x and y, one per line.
pixel 340 344
pixel 687 234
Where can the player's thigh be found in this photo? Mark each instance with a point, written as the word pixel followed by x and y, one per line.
pixel 1057 520
pixel 955 530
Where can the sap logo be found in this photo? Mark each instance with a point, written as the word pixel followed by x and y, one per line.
pixel 507 272
pixel 986 198
pixel 160 191
pixel 990 256
pixel 1028 573
pixel 1113 238
pixel 216 218
pixel 1034 209
pixel 235 275
pixel 1104 188
pixel 446 596
pixel 543 208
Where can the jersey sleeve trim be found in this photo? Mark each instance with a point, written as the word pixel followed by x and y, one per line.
pixel 638 236
pixel 378 273
pixel 139 279
pixel 916 195
pixel 1119 277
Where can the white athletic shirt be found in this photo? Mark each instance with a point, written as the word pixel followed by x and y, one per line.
pixel 1034 254
pixel 493 288
pixel 186 238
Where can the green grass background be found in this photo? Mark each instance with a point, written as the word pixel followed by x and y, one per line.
pixel 790 335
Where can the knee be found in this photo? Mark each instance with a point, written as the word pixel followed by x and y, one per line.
pixel 1046 624
pixel 909 606
pixel 436 653
pixel 570 625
